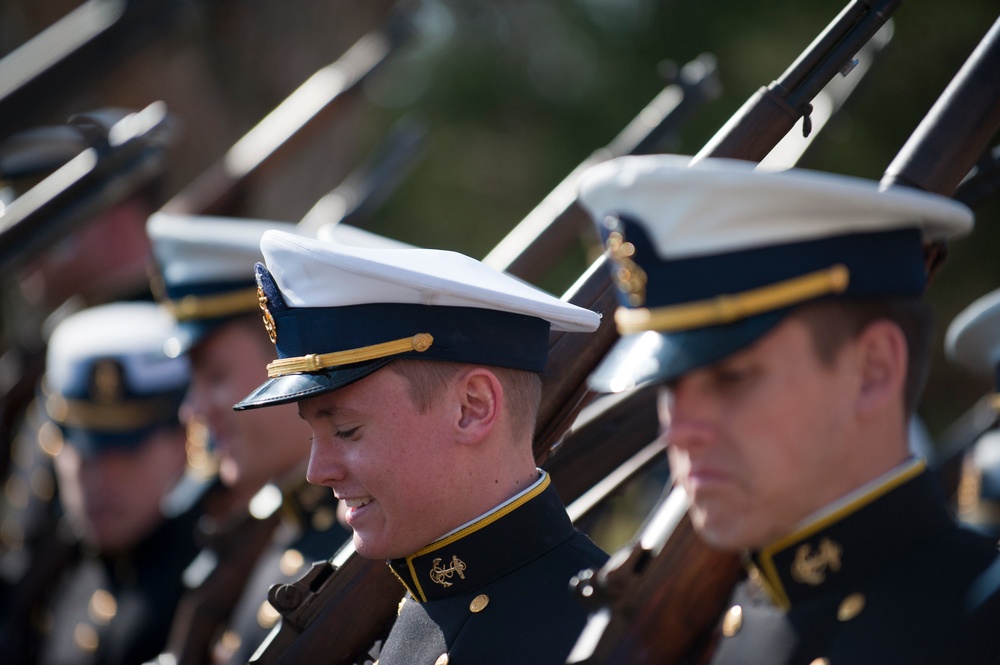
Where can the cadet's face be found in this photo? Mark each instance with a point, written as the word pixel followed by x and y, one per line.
pixel 114 497
pixel 758 440
pixel 386 460
pixel 253 446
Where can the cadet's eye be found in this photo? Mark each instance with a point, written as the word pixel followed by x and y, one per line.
pixel 733 375
pixel 349 434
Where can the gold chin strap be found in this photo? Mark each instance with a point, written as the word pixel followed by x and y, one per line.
pixel 117 417
pixel 194 307
pixel 734 307
pixel 314 362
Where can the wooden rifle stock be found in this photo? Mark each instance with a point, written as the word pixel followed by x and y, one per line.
pixel 654 607
pixel 938 157
pixel 344 605
pixel 954 133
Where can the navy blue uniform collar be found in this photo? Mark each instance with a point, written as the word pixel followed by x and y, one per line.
pixel 863 534
pixel 489 548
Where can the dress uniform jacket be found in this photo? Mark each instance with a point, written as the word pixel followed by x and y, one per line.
pixel 885 577
pixel 305 530
pixel 496 591
pixel 118 610
pixel 300 527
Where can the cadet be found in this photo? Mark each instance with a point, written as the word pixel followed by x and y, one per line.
pixel 105 590
pixel 781 314
pixel 276 524
pixel 973 343
pixel 418 372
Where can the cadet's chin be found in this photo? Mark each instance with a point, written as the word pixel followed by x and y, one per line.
pixel 722 534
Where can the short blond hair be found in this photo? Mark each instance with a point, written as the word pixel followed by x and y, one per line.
pixel 523 389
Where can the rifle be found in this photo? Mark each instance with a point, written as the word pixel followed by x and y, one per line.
pixel 370 183
pixel 219 190
pixel 60 61
pixel 123 158
pixel 641 598
pixel 553 224
pixel 355 599
pixel 983 182
pixel 768 115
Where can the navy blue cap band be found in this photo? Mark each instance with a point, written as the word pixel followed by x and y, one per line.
pixel 461 334
pixel 881 263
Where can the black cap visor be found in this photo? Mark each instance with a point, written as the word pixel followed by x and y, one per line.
pixel 295 387
pixel 653 356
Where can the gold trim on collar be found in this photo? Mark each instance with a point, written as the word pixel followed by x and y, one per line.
pixel 193 307
pixel 733 307
pixel 768 570
pixel 314 362
pixel 475 526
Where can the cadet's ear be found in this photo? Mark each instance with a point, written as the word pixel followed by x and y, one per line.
pixel 882 354
pixel 481 401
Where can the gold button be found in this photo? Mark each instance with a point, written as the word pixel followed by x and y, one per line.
pixel 85 637
pixel 479 603
pixel 102 607
pixel 442 659
pixel 732 621
pixel 399 608
pixel 851 607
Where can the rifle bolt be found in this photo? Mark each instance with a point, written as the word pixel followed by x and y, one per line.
pixel 286 597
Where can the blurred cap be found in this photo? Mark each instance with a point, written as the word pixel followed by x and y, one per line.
pixel 709 257
pixel 206 264
pixel 337 313
pixel 973 338
pixel 108 382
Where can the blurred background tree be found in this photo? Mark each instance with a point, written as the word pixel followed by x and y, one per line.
pixel 515 94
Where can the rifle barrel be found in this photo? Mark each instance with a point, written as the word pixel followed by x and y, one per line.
pixel 768 115
pixel 935 158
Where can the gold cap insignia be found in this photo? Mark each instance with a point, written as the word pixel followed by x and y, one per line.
pixel 107 382
pixel 269 325
pixel 441 575
pixel 811 567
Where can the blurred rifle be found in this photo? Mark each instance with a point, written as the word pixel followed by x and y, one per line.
pixel 940 157
pixel 768 115
pixel 555 222
pixel 219 189
pixel 371 182
pixel 656 601
pixel 63 59
pixel 342 606
pixel 122 159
